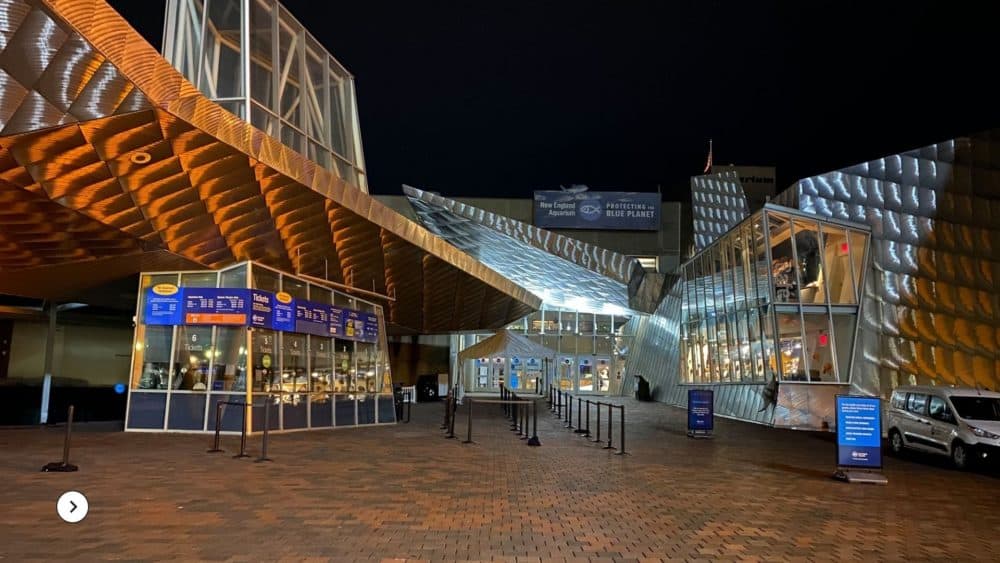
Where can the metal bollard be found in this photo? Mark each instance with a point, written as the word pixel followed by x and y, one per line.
pixel 569 411
pixel 243 435
pixel 598 425
pixel 218 415
pixel 447 407
pixel 267 431
pixel 64 466
pixel 609 447
pixel 534 441
pixel 558 403
pixel 468 440
pixel 621 445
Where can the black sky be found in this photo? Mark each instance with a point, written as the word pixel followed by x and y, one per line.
pixel 498 98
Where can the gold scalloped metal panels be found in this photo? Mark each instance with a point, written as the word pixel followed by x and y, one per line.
pixel 107 153
pixel 932 308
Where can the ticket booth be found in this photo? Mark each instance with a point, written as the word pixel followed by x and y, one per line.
pixel 251 334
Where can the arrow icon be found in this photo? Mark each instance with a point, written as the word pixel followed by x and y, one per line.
pixel 73 505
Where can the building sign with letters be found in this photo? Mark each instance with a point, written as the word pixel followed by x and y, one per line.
pixel 626 211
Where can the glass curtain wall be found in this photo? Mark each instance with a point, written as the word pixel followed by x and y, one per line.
pixel 590 352
pixel 181 372
pixel 256 60
pixel 775 297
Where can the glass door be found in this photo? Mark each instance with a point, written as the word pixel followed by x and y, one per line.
pixel 585 382
pixel 566 373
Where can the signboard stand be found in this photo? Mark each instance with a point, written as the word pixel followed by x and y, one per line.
pixel 859 440
pixel 701 413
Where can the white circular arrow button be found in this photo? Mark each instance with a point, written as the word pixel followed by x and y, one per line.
pixel 72 506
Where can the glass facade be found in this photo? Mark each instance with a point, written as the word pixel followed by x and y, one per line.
pixel 775 297
pixel 255 59
pixel 180 372
pixel 590 352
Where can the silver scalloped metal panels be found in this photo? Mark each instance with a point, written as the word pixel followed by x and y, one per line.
pixel 563 271
pixel 717 205
pixel 110 158
pixel 932 310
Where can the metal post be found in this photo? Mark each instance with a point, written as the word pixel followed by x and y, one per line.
pixel 621 445
pixel 558 403
pixel 598 425
pixel 267 430
pixel 69 435
pixel 218 415
pixel 243 435
pixel 533 441
pixel 524 422
pixel 447 410
pixel 451 418
pixel 569 411
pixel 468 440
pixel 609 447
pixel 579 418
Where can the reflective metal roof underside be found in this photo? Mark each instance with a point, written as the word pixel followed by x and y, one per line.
pixel 84 101
pixel 562 271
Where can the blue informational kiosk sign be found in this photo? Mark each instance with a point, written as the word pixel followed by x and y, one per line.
pixel 701 412
pixel 859 432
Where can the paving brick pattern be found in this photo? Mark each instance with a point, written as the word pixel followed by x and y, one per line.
pixel 404 492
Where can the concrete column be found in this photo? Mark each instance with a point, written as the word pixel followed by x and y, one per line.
pixel 50 341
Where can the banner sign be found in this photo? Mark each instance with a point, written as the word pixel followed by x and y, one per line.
pixel 701 410
pixel 216 306
pixel 164 305
pixel 859 432
pixel 626 211
pixel 167 304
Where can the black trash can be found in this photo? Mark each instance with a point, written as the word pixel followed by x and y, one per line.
pixel 427 388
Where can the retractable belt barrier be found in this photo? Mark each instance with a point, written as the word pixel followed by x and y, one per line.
pixel 265 438
pixel 523 415
pixel 561 405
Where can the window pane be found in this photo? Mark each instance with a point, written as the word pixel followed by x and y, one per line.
pixel 264 279
pixel 199 279
pixel 290 77
pixel 810 263
pixel 836 256
pixel 366 367
pixel 344 366
pixel 264 121
pixel 535 323
pixel 818 347
pixel 321 360
pixel 295 288
pixel 222 73
pixel 155 357
pixel 844 327
pixel 782 260
pixel 192 358
pixel 293 363
pixel 229 369
pixel 234 277
pixel 315 91
pixel 265 359
pixel 857 245
pixel 261 54
pixel 790 346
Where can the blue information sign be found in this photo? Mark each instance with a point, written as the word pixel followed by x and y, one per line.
pixel 701 411
pixel 284 313
pixel 337 322
pixel 627 211
pixel 163 305
pixel 216 306
pixel 859 432
pixel 370 333
pixel 312 318
pixel 261 308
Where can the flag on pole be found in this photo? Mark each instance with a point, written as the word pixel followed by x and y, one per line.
pixel 708 163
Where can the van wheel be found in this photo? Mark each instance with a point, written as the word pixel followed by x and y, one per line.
pixel 960 455
pixel 895 442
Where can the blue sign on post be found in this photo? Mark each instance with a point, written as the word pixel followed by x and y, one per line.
pixel 859 432
pixel 701 412
pixel 625 211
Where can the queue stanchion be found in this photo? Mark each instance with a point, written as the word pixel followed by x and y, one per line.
pixel 584 429
pixel 452 409
pixel 534 441
pixel 447 408
pixel 524 422
pixel 218 416
pixel 569 411
pixel 598 425
pixel 243 435
pixel 267 430
pixel 609 447
pixel 579 418
pixel 468 439
pixel 621 445
pixel 558 403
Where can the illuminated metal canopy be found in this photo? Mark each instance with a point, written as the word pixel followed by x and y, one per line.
pixel 111 163
pixel 564 272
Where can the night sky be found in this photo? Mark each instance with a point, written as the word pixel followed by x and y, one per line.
pixel 499 98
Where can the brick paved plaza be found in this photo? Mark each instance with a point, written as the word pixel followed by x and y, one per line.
pixel 404 492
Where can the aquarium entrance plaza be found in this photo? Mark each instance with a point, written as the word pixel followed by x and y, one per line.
pixel 404 492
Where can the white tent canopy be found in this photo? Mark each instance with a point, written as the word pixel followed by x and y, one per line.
pixel 506 344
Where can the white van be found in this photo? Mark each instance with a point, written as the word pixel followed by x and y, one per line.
pixel 961 423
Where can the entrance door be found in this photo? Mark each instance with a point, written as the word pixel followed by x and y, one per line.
pixel 585 382
pixel 603 375
pixel 566 373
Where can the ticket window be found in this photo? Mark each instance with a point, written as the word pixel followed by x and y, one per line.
pixel 193 356
pixel 265 364
pixel 343 366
